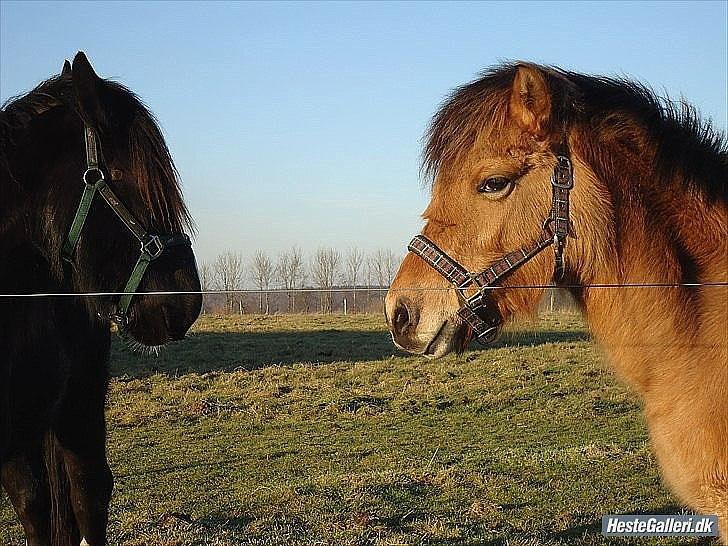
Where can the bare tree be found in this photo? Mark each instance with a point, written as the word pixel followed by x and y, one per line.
pixel 291 274
pixel 353 267
pixel 207 278
pixel 375 269
pixel 392 266
pixel 325 272
pixel 262 271
pixel 370 274
pixel 383 265
pixel 227 272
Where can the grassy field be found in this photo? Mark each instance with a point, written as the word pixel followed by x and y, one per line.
pixel 314 430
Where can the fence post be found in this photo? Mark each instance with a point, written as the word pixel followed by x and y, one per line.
pixel 344 305
pixel 551 303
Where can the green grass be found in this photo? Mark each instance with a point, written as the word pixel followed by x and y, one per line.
pixel 313 429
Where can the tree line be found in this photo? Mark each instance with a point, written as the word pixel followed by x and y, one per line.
pixel 326 281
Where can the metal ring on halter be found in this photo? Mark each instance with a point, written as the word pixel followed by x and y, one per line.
pixel 547 225
pixel 93 170
pixel 155 243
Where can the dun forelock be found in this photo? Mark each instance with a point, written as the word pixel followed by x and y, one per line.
pixel 469 110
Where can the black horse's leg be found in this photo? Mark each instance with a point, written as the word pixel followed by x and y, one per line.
pixel 91 483
pixel 82 441
pixel 25 480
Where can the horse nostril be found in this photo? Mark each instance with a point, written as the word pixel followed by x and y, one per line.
pixel 401 319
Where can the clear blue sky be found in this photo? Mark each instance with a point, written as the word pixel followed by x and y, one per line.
pixel 301 123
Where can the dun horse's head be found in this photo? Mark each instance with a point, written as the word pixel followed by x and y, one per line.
pixel 92 141
pixel 492 151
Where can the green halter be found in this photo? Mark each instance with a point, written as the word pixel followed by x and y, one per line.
pixel 152 245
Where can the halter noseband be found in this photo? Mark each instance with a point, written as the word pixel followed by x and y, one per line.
pixel 556 229
pixel 152 245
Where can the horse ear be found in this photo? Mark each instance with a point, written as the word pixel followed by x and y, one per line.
pixel 87 86
pixel 66 72
pixel 530 102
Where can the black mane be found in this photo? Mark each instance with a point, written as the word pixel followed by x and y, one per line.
pixel 152 164
pixel 19 110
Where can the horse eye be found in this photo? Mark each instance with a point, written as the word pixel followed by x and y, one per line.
pixel 494 184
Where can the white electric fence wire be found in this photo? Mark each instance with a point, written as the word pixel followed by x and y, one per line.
pixel 356 289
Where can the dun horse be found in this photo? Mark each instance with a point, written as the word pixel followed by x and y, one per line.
pixel 627 189
pixel 90 203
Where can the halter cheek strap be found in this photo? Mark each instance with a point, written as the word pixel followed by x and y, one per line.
pixel 93 180
pixel 556 229
pixel 152 246
pixel 562 182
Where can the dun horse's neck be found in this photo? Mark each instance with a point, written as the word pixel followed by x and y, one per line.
pixel 656 337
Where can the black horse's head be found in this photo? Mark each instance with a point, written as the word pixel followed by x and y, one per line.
pixel 46 159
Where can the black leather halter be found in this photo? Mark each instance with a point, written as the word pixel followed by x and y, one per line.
pixel 152 246
pixel 556 228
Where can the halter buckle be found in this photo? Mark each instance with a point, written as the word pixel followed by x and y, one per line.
pixel 152 246
pixel 563 173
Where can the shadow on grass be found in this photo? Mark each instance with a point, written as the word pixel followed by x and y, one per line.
pixel 539 337
pixel 578 531
pixel 172 468
pixel 205 352
pixel 229 523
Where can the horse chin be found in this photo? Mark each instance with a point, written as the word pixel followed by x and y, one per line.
pixel 146 335
pixel 455 337
pixel 450 338
pixel 143 340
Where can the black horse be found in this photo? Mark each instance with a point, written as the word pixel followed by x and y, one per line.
pixel 89 202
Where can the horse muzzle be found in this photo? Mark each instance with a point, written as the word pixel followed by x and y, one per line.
pixel 427 332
